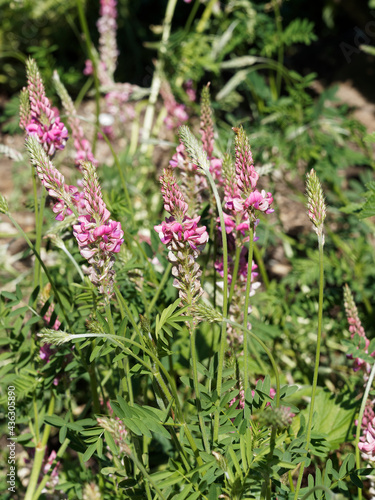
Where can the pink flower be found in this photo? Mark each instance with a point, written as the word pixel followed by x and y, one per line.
pixel 180 159
pixel 176 114
pixel 194 235
pixel 188 86
pixel 215 168
pixel 45 352
pixel 41 120
pixel 186 231
pixel 174 202
pixel 108 51
pixel 89 68
pixel 92 239
pixel 239 399
pixel 367 441
pixel 260 201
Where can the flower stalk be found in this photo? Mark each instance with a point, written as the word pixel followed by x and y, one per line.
pixel 317 213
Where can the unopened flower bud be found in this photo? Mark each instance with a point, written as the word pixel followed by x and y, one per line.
pixel 315 203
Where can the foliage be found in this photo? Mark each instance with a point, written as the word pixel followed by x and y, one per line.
pixel 142 386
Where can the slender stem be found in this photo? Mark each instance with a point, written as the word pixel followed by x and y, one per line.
pixel 94 387
pixel 121 173
pixel 205 16
pixel 38 241
pixel 160 287
pixel 317 359
pixel 85 29
pixel 266 350
pixel 246 307
pixel 193 352
pixel 123 303
pixel 39 454
pixel 39 212
pixel 36 210
pixel 46 476
pixel 60 244
pixel 261 266
pixel 36 426
pixel 235 273
pixel 147 476
pixel 110 319
pixel 223 338
pixel 119 341
pixel 156 79
pixel 56 293
pixel 192 15
pixel 359 424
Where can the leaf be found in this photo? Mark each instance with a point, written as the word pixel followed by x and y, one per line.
pixel 334 417
pixel 89 452
pixel 54 420
pixel 111 443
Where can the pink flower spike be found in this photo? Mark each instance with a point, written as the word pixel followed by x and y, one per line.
pixel 247 177
pixel 43 120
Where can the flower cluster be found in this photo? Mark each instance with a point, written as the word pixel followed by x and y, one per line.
pixel 67 196
pixel 117 95
pixel 176 113
pixel 194 183
pixel 367 441
pixel 98 237
pixel 315 203
pixel 242 201
pixel 108 51
pixel 81 144
pixel 117 430
pixel 53 480
pixel 183 238
pixel 356 328
pixel 117 102
pixel 91 491
pixel 246 198
pixel 37 116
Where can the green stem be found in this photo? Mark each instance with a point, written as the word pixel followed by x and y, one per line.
pixel 36 209
pixel 146 475
pixel 205 16
pixel 46 476
pixel 235 273
pixel 317 360
pixel 56 293
pixel 261 266
pixel 94 387
pixel 85 29
pixel 110 319
pixel 119 341
pixel 193 351
pixel 359 424
pixel 160 287
pixel 123 304
pixel 223 338
pixel 192 15
pixel 246 307
pixel 39 213
pixel 39 454
pixel 266 350
pixel 156 79
pixel 121 173
pixel 36 419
